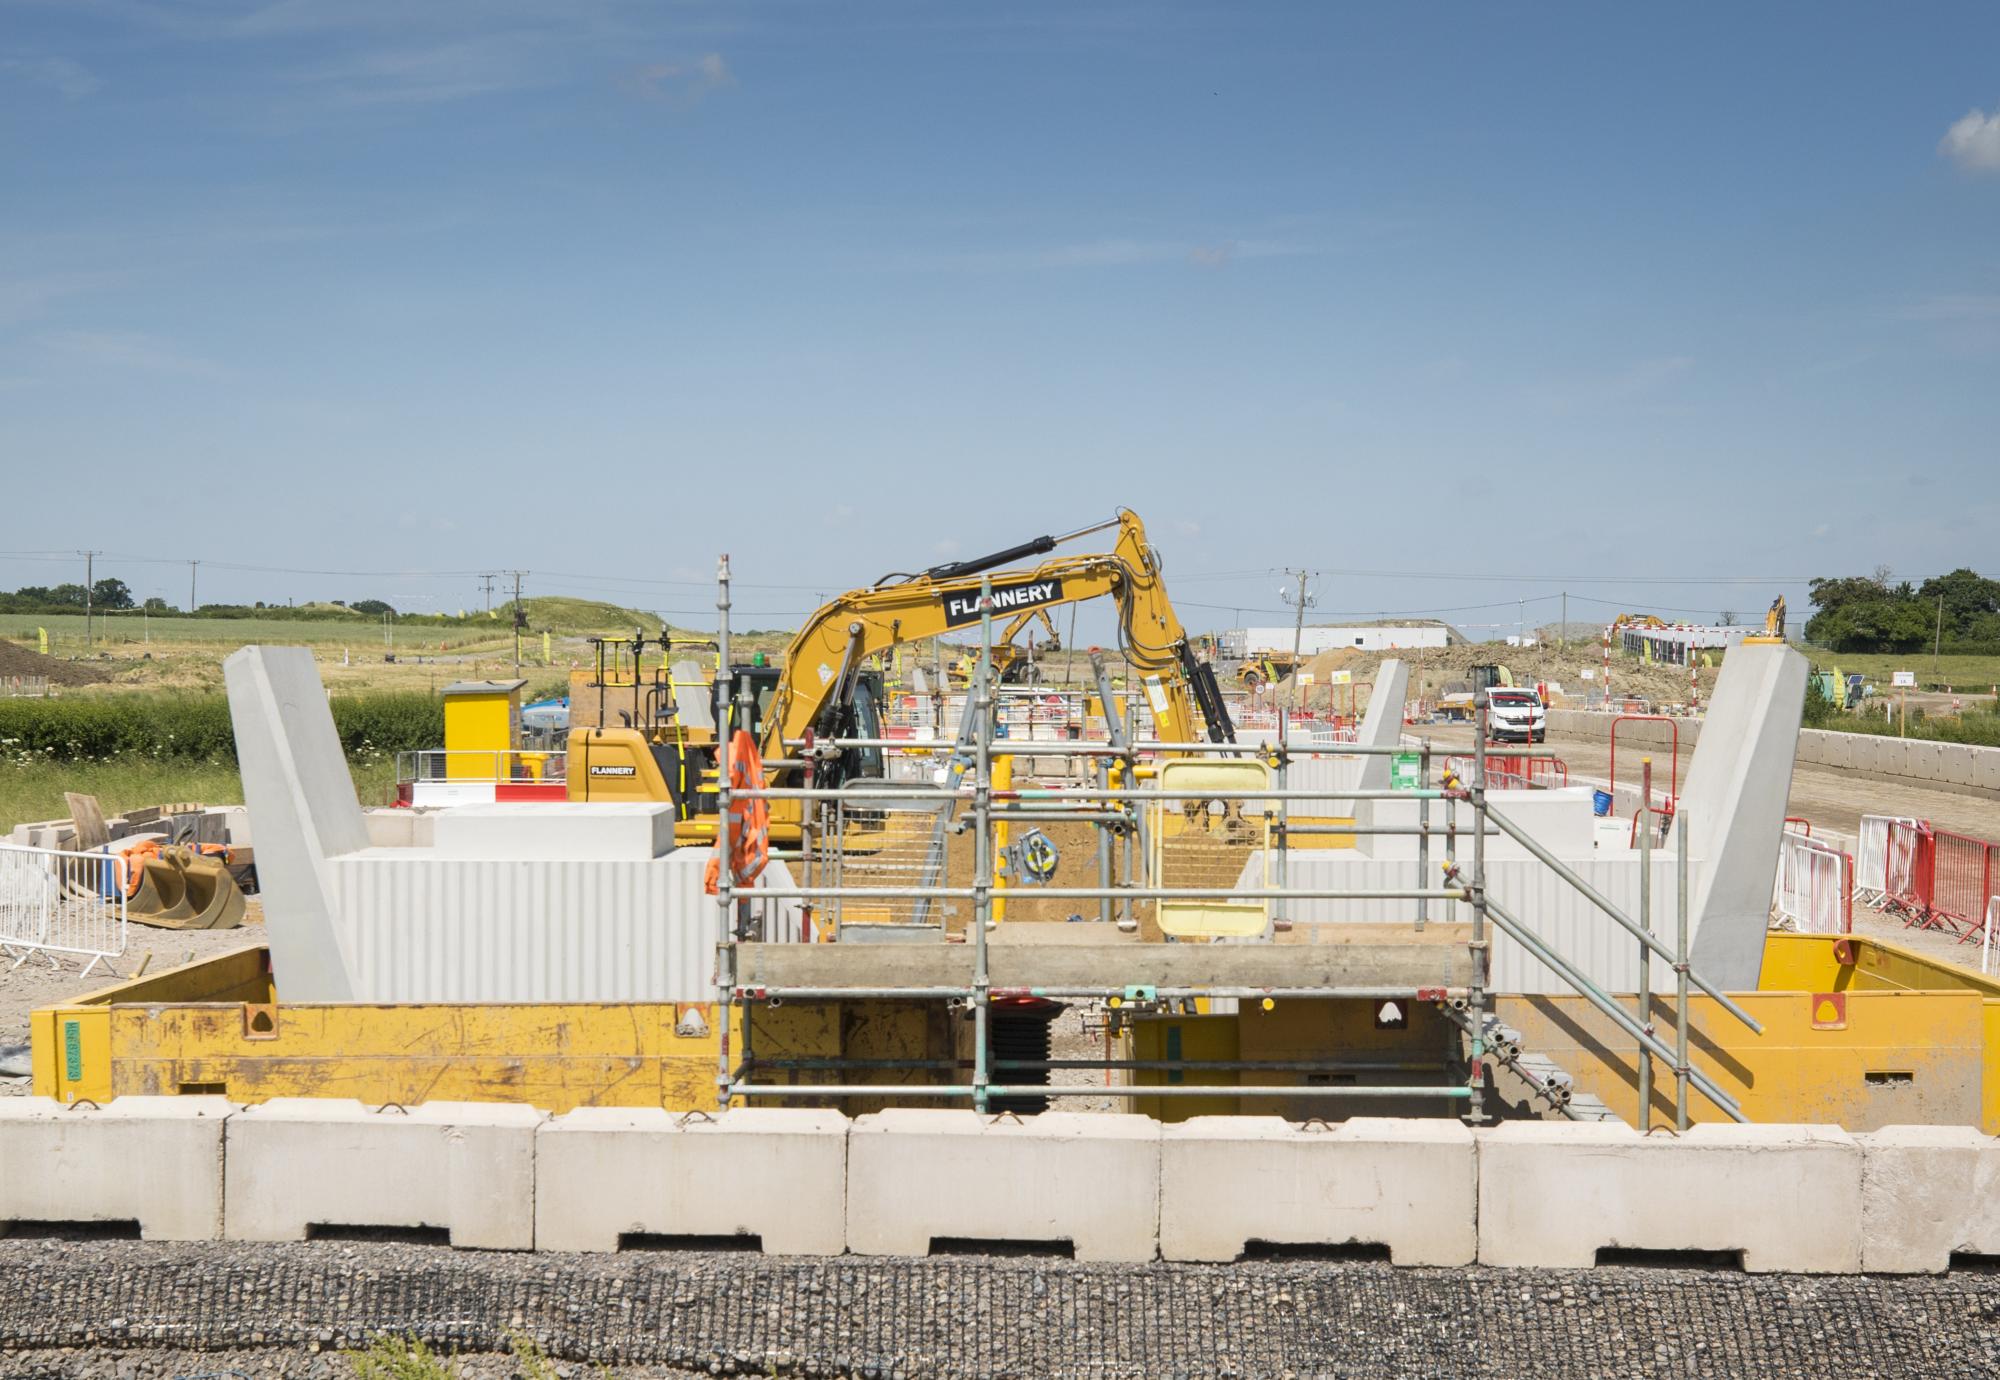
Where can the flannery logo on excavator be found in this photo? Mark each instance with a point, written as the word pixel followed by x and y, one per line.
pixel 960 609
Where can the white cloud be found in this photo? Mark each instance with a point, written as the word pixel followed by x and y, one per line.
pixel 1211 255
pixel 130 350
pixel 1974 142
pixel 67 79
pixel 681 83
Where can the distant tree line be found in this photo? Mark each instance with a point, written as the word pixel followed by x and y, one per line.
pixel 113 596
pixel 1873 613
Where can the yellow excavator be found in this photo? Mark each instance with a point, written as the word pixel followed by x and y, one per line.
pixel 1774 623
pixel 825 691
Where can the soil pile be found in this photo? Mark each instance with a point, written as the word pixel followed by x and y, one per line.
pixel 18 661
pixel 1433 669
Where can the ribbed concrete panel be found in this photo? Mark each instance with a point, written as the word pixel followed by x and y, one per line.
pixel 1553 910
pixel 429 929
pixel 1322 773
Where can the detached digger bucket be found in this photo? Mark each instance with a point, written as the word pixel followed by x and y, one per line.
pixel 158 894
pixel 212 893
pixel 178 889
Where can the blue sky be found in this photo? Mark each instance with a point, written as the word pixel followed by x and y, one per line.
pixel 1654 304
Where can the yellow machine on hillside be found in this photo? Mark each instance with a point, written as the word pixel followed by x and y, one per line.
pixel 825 691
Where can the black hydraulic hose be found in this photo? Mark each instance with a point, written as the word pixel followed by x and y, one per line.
pixel 954 570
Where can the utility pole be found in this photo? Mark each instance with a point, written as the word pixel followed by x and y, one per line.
pixel 193 566
pixel 88 574
pixel 486 580
pixel 1562 632
pixel 1301 600
pixel 521 617
pixel 1521 621
pixel 1937 644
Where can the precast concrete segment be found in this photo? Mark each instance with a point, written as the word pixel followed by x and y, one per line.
pixel 301 794
pixel 1089 1178
pixel 296 1163
pixel 1380 727
pixel 1733 806
pixel 156 1161
pixel 1552 1194
pixel 1927 1193
pixel 1407 1184
pixel 778 1174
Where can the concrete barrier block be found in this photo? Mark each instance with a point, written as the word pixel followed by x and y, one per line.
pixel 1091 1179
pixel 1927 1192
pixel 1958 764
pixel 296 1164
pixel 1409 1185
pixel 1925 761
pixel 778 1174
pixel 1552 1194
pixel 1864 753
pixel 1986 769
pixel 156 1161
pixel 389 827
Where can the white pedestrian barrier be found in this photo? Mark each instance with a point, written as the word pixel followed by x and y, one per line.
pixel 605 1175
pixel 156 1161
pixel 54 902
pixel 917 1176
pixel 1808 892
pixel 1928 1193
pixel 1553 1194
pixel 1871 856
pixel 1228 1181
pixel 297 1165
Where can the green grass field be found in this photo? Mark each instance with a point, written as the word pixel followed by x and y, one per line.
pixel 562 617
pixel 36 792
pixel 1977 674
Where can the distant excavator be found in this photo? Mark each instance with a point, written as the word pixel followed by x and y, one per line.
pixel 824 691
pixel 1774 623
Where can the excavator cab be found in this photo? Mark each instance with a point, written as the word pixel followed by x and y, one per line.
pixel 668 761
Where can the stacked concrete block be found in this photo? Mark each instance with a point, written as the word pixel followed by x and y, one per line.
pixel 1410 1185
pixel 1090 1179
pixel 299 1163
pixel 156 1161
pixel 605 1174
pixel 1552 1194
pixel 1928 1193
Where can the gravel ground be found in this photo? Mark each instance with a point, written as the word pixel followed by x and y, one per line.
pixel 151 1309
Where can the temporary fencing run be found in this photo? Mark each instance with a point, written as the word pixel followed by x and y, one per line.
pixel 1871 857
pixel 1933 878
pixel 59 903
pixel 1962 883
pixel 1541 772
pixel 1814 891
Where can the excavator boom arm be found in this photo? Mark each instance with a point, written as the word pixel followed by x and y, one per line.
pixel 947 601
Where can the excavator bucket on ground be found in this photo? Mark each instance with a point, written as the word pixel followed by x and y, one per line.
pixel 180 889
pixel 216 899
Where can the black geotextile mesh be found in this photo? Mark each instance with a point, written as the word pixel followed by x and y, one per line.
pixel 983 1316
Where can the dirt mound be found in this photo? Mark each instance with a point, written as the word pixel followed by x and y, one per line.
pixel 23 662
pixel 1433 669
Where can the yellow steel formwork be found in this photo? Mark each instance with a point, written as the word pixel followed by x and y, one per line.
pixel 1886 1037
pixel 215 1026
